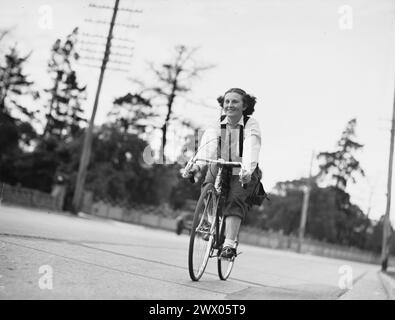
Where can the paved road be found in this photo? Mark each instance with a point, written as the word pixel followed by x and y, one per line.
pixel 58 256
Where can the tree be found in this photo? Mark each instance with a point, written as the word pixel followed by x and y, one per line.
pixel 116 172
pixel 133 113
pixel 341 165
pixel 328 221
pixel 14 84
pixel 64 115
pixel 172 81
pixel 3 34
pixel 15 117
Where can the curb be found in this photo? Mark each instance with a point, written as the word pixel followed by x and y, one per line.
pixel 388 284
pixel 157 222
pixel 90 216
pixel 367 286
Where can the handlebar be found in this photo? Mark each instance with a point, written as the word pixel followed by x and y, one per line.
pixel 230 164
pixel 221 162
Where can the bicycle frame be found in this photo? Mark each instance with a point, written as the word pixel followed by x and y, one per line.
pixel 219 197
pixel 216 232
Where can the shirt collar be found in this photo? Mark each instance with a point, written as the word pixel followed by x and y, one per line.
pixel 241 121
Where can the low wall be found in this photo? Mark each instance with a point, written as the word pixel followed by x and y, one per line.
pixel 278 241
pixel 273 240
pixel 27 197
pixel 106 210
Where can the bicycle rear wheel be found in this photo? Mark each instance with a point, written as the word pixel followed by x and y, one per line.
pixel 225 266
pixel 202 233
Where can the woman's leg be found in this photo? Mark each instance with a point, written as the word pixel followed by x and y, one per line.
pixel 237 208
pixel 232 227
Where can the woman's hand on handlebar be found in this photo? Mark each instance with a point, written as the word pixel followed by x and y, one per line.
pixel 191 170
pixel 245 176
pixel 194 169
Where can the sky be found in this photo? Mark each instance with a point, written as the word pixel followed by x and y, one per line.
pixel 312 64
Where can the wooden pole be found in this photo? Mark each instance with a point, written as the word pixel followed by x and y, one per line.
pixel 87 147
pixel 305 207
pixel 386 222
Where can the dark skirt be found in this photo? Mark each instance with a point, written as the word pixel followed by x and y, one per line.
pixel 236 203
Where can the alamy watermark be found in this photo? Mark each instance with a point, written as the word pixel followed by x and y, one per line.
pixel 346 277
pixel 346 17
pixel 1 286
pixel 207 148
pixel 45 282
pixel 45 20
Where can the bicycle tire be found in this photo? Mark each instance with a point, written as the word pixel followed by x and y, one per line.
pixel 224 266
pixel 197 264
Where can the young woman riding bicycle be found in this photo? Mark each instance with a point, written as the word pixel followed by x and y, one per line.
pixel 240 141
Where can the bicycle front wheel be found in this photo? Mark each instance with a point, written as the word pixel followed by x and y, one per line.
pixel 202 233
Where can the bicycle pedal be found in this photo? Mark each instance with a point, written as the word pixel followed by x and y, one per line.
pixel 225 259
pixel 228 259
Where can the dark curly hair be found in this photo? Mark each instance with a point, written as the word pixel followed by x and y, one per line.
pixel 248 100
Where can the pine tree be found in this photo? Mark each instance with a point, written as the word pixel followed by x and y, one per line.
pixel 341 165
pixel 15 116
pixel 64 115
pixel 14 84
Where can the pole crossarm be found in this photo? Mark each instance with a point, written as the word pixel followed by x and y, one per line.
pixel 132 26
pixel 97 66
pixel 93 35
pixel 102 52
pixel 89 35
pixel 108 60
pixel 92 5
pixel 103 44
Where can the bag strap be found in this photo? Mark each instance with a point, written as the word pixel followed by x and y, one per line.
pixel 222 137
pixel 241 135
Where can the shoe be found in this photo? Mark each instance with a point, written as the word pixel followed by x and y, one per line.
pixel 228 253
pixel 205 230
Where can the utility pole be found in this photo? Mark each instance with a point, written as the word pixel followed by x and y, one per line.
pixel 305 206
pixel 86 150
pixel 87 147
pixel 386 222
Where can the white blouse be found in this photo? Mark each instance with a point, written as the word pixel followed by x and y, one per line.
pixel 208 146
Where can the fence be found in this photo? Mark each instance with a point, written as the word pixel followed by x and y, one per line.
pixel 27 197
pixel 160 218
pixel 276 240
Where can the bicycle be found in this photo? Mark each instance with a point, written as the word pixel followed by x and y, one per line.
pixel 208 226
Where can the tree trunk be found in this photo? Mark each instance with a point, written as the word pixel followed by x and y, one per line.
pixel 164 127
pixel 54 92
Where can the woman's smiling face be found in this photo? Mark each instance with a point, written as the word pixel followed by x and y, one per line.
pixel 234 105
